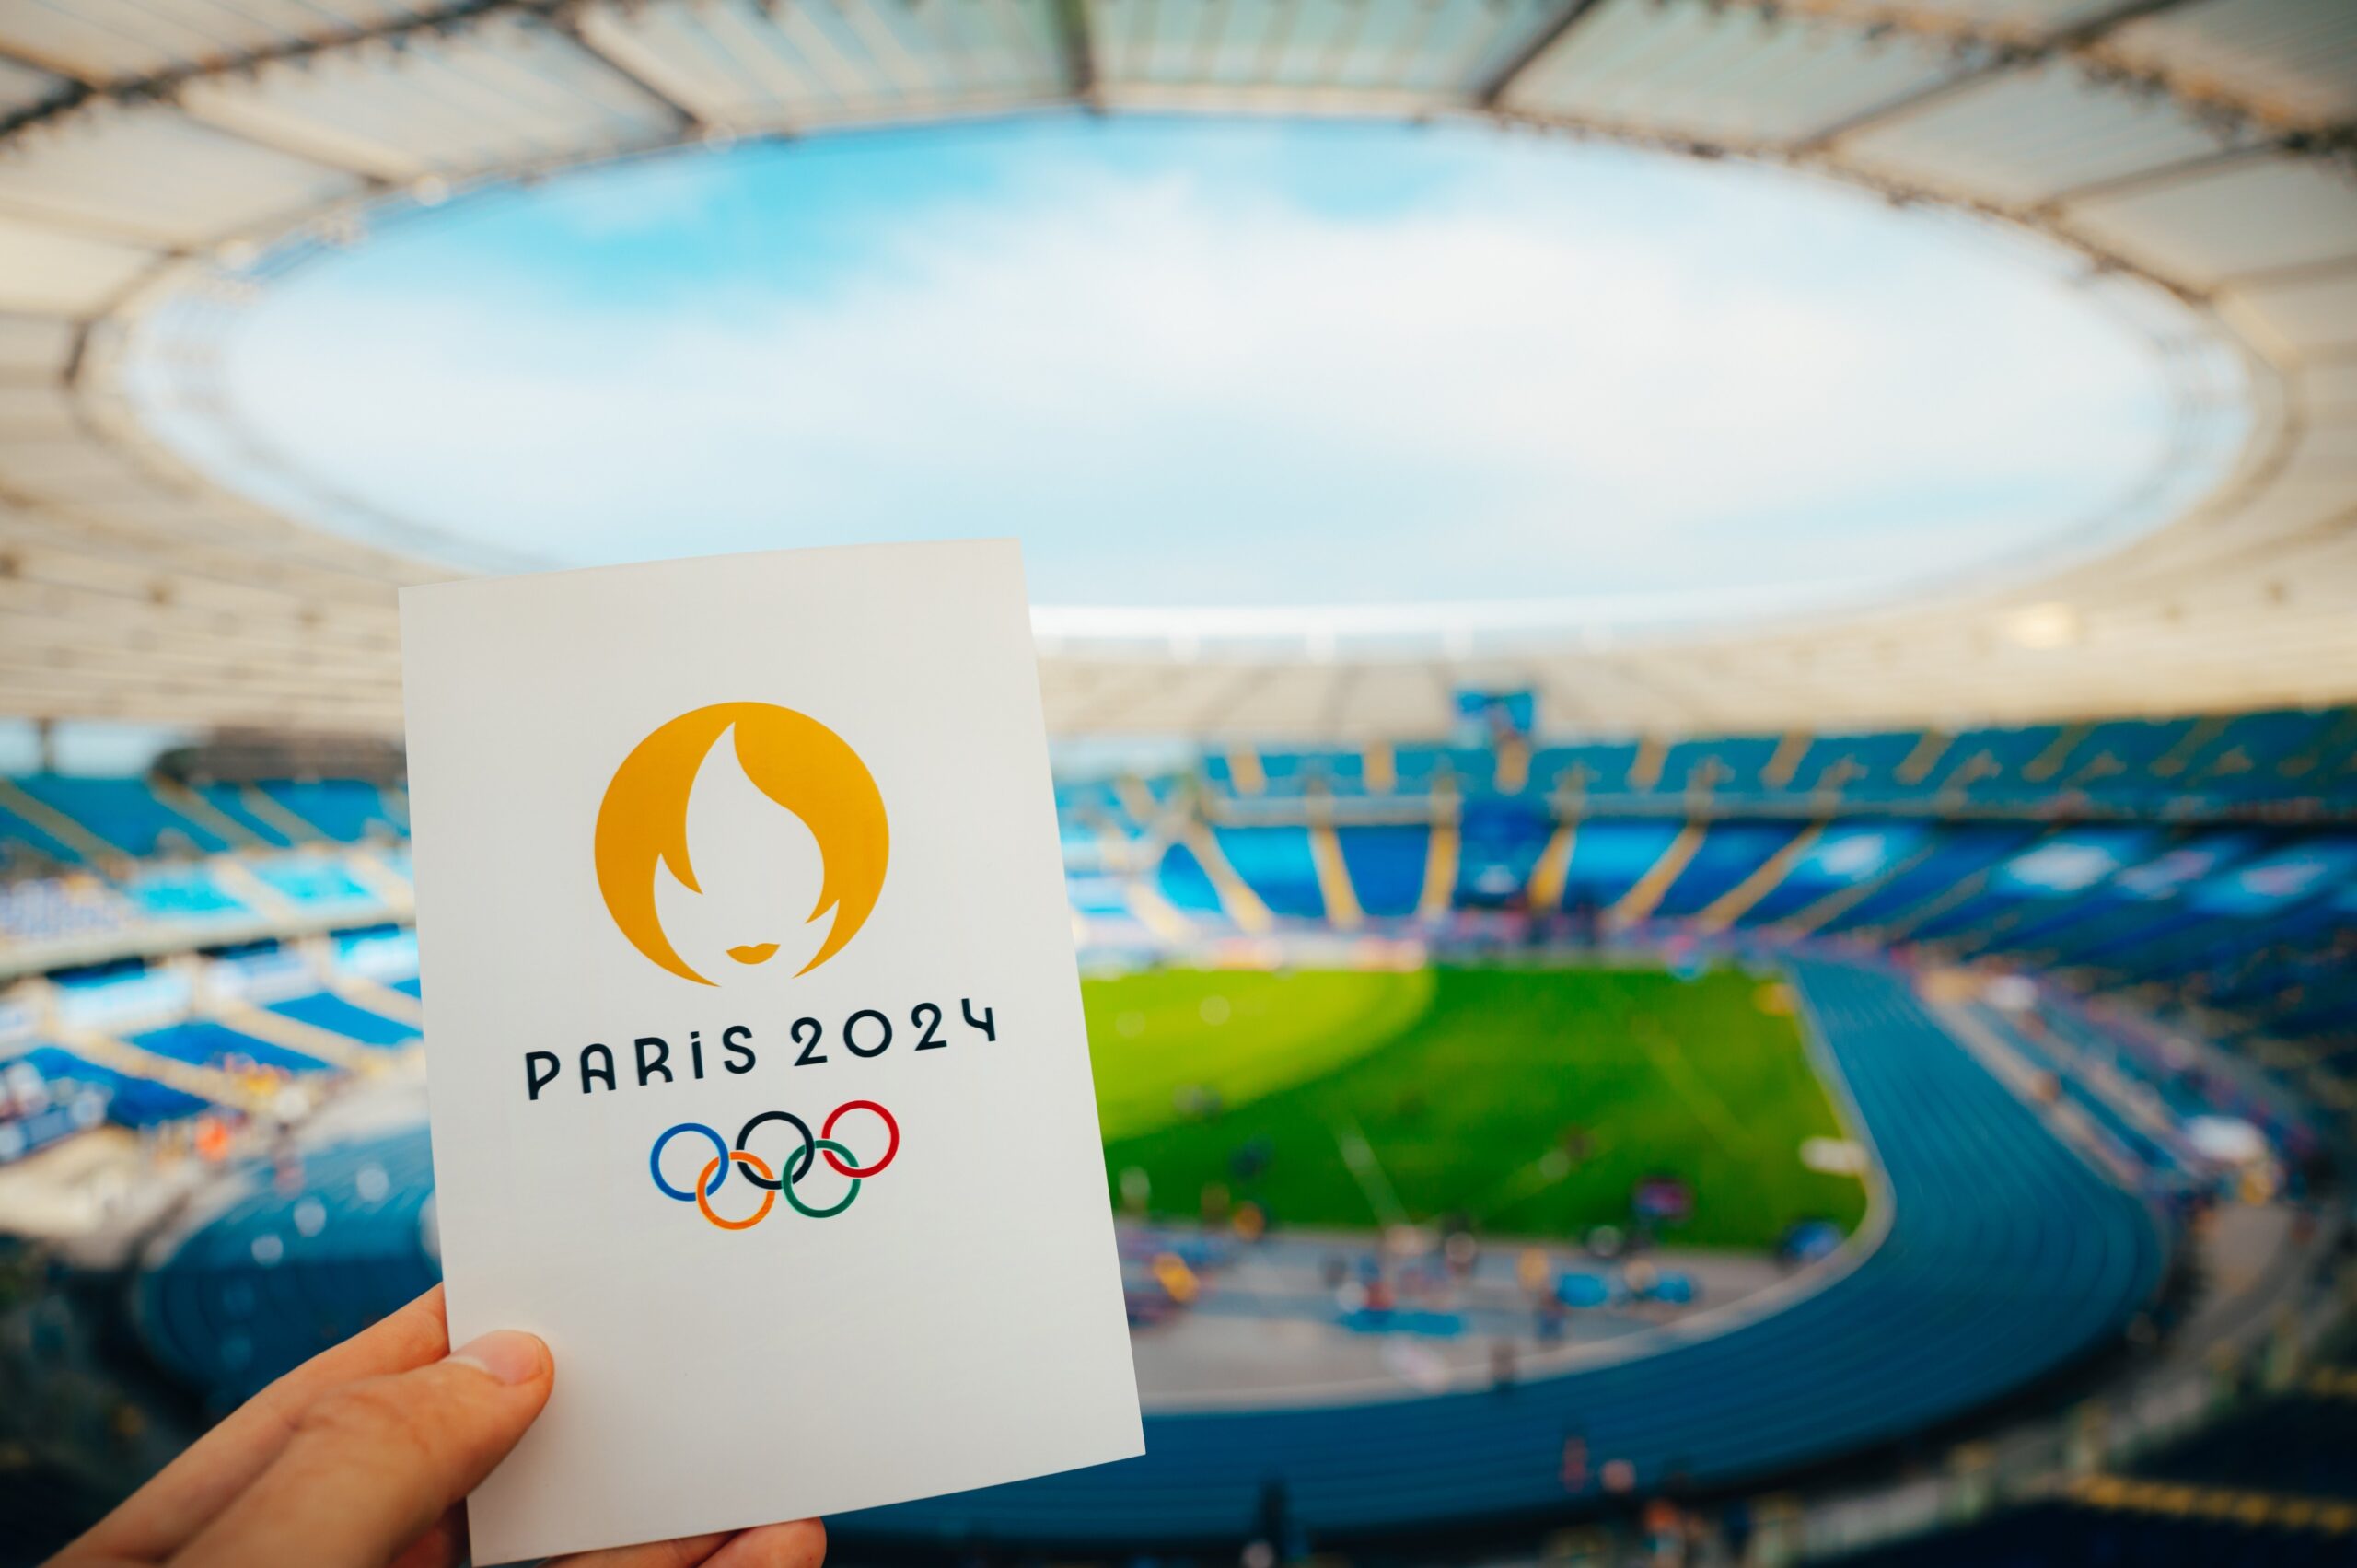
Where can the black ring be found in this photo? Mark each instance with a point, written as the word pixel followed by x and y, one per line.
pixel 793 1172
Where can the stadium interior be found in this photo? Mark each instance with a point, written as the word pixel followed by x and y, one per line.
pixel 1870 1086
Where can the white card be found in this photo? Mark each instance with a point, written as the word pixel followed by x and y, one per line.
pixel 629 788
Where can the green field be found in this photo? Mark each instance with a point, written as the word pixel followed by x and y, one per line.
pixel 1529 1101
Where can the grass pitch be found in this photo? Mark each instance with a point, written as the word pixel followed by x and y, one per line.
pixel 1529 1100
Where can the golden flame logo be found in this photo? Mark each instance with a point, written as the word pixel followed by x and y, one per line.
pixel 791 758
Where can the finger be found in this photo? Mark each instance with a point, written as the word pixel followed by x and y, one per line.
pixel 802 1544
pixel 371 1465
pixel 444 1544
pixel 161 1516
pixel 685 1553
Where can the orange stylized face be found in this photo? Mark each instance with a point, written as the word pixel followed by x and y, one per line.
pixel 792 759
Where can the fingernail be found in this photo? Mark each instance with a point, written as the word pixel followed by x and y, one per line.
pixel 507 1355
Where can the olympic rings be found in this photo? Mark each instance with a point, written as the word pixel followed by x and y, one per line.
pixel 830 1148
pixel 754 1169
pixel 655 1161
pixel 828 1131
pixel 795 1168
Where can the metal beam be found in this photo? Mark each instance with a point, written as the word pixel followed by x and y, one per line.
pixel 162 85
pixel 688 120
pixel 17 54
pixel 2159 176
pixel 2008 57
pixel 1493 92
pixel 1076 37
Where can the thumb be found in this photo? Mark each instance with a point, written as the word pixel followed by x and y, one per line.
pixel 374 1463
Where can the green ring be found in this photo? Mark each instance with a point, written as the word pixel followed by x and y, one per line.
pixel 786 1175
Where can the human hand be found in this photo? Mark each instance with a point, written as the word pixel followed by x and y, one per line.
pixel 363 1456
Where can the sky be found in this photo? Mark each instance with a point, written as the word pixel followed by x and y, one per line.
pixel 1240 364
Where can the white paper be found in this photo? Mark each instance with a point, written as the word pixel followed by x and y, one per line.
pixel 961 1323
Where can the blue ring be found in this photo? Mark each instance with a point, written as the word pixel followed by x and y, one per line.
pixel 655 1161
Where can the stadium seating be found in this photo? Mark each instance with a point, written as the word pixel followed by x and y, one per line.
pixel 123 814
pixel 2258 921
pixel 49 820
pixel 2303 1442
pixel 2064 1535
pixel 1387 866
pixel 181 892
pixel 1278 864
pixel 340 1015
pixel 306 1257
pixel 345 809
pixel 2195 862
pixel 131 1101
pixel 2275 1483
pixel 2006 1257
pixel 2186 767
pixel 51 909
pixel 200 1042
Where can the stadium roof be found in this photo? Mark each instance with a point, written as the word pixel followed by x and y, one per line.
pixel 2205 148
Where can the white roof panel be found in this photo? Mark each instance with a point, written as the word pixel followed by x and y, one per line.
pixel 741 63
pixel 152 174
pixel 35 346
pixel 42 270
pixel 1729 75
pixel 1439 46
pixel 2024 136
pixel 2316 311
pixel 2010 19
pixel 2331 384
pixel 41 410
pixel 2289 62
pixel 501 93
pixel 2240 215
pixel 108 40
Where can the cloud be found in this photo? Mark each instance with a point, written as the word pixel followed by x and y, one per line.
pixel 1552 372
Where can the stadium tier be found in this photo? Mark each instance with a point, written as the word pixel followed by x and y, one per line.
pixel 2199 868
pixel 2029 1152
pixel 2006 1256
pixel 2275 1486
pixel 49 820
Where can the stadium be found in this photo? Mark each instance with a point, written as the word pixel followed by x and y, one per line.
pixel 1856 1079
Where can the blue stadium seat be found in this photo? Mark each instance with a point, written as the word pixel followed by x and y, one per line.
pixel 1609 857
pixel 347 809
pixel 24 843
pixel 230 801
pixel 1187 885
pixel 1387 867
pixel 181 892
pixel 1730 852
pixel 202 1042
pixel 124 812
pixel 314 882
pixel 131 1102
pixel 338 1014
pixel 1276 864
pixel 1499 843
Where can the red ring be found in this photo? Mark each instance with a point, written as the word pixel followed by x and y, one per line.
pixel 829 1130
